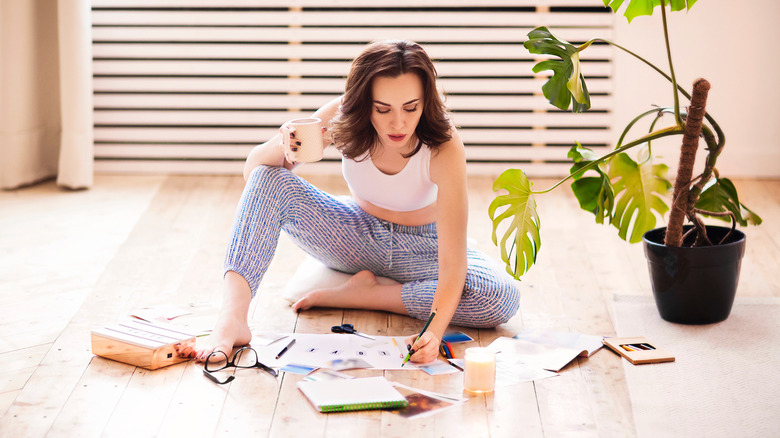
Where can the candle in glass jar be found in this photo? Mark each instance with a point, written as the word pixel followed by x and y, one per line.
pixel 480 372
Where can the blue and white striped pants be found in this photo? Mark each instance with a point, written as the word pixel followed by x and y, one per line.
pixel 344 237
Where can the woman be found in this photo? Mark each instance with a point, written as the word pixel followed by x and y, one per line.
pixel 405 165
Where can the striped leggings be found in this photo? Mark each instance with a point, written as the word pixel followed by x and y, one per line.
pixel 344 237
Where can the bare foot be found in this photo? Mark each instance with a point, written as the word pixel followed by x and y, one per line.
pixel 229 332
pixel 231 329
pixel 362 291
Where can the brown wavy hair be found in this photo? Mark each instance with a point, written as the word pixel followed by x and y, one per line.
pixel 353 133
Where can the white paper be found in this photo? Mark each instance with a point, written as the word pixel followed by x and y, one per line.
pixel 318 350
pixel 544 356
pixel 510 370
pixel 586 344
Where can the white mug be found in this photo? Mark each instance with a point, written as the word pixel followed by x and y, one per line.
pixel 306 136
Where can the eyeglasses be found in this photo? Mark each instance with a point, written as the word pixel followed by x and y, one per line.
pixel 245 357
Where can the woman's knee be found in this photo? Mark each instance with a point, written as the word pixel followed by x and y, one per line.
pixel 498 304
pixel 264 175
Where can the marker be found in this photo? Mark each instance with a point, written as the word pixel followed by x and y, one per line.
pixel 449 347
pixel 425 327
pixel 284 350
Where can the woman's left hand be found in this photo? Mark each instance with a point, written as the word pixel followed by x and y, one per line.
pixel 426 349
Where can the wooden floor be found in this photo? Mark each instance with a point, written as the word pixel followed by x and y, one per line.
pixel 74 261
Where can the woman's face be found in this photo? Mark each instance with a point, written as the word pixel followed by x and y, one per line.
pixel 397 108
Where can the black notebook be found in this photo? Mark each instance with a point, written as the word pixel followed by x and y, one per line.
pixel 352 394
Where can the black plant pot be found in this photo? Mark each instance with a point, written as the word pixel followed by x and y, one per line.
pixel 694 285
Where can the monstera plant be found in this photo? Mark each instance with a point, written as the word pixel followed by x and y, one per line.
pixel 628 191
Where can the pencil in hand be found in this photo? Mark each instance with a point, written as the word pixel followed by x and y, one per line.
pixel 425 327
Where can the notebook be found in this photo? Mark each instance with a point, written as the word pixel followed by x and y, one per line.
pixel 352 394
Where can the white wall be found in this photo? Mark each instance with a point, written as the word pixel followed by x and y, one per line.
pixel 733 44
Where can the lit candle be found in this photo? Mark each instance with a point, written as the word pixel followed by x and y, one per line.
pixel 480 373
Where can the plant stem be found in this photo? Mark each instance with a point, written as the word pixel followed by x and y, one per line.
pixel 672 130
pixel 631 124
pixel 677 117
pixel 681 90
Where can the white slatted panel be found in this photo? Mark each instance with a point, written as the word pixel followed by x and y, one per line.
pixel 191 86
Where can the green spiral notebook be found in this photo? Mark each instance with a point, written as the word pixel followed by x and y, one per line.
pixel 352 394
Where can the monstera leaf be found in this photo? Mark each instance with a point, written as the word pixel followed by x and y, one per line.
pixel 720 195
pixel 594 193
pixel 567 85
pixel 638 187
pixel 637 8
pixel 523 225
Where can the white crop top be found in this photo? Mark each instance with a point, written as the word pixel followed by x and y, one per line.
pixel 408 190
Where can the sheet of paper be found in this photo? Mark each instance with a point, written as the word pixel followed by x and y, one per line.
pixel 266 339
pixel 164 313
pixel 545 356
pixel 424 403
pixel 319 350
pixel 510 370
pixel 586 344
pixel 438 367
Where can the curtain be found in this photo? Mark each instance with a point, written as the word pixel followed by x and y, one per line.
pixel 45 93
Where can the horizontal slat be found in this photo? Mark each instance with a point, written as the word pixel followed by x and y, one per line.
pixel 276 118
pixel 313 51
pixel 312 102
pixel 272 34
pixel 186 167
pixel 223 152
pixel 315 68
pixel 354 18
pixel 533 170
pixel 162 150
pixel 257 135
pixel 295 85
pixel 333 3
pixel 508 102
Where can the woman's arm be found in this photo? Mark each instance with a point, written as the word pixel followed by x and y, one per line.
pixel 448 171
pixel 270 153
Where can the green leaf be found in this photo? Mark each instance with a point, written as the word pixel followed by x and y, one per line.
pixel 567 85
pixel 637 189
pixel 594 193
pixel 579 153
pixel 523 225
pixel 638 8
pixel 720 195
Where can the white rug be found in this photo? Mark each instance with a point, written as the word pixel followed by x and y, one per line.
pixel 725 381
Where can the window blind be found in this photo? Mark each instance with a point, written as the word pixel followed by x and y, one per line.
pixel 190 86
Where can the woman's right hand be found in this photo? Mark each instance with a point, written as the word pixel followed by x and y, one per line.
pixel 288 143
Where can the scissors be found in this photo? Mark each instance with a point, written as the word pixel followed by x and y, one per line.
pixel 348 328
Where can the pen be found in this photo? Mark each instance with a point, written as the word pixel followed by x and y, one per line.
pixel 455 365
pixel 425 327
pixel 284 350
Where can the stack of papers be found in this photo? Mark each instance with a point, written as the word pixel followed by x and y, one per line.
pixel 534 354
